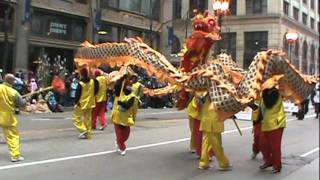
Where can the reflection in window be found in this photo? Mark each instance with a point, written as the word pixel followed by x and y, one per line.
pixel 256 6
pixel 296 13
pixel 304 18
pixel 254 42
pixel 228 43
pixel 233 7
pixel 304 57
pixel 285 7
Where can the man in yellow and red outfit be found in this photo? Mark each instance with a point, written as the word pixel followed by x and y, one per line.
pixel 212 128
pixel 272 126
pixel 123 112
pixel 85 102
pixel 10 99
pixel 101 101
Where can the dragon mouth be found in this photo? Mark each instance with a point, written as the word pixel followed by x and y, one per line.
pixel 201 26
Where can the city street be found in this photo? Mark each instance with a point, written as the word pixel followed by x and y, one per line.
pixel 158 148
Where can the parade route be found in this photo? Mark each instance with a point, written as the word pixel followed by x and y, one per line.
pixel 157 149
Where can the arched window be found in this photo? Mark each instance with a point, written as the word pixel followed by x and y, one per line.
pixel 304 57
pixel 312 60
pixel 296 50
pixel 286 46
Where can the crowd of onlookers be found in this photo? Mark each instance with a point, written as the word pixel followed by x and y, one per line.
pixel 29 82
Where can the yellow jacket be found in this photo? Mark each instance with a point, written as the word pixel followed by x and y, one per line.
pixel 137 89
pixel 87 98
pixel 255 113
pixel 101 96
pixel 192 109
pixel 273 118
pixel 7 105
pixel 123 117
pixel 209 118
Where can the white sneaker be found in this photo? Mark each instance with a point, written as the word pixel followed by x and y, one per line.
pixel 116 146
pixel 122 153
pixel 229 168
pixel 83 135
pixel 17 159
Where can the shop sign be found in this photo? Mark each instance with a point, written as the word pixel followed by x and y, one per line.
pixel 58 28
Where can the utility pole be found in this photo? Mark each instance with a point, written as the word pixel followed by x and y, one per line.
pixel 6 39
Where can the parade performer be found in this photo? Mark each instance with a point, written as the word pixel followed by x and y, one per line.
pixel 101 102
pixel 85 102
pixel 256 119
pixel 211 129
pixel 123 112
pixel 272 126
pixel 10 99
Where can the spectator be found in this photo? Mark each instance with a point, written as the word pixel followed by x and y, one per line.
pixel 315 99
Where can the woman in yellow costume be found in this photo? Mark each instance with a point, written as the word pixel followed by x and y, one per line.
pixel 123 112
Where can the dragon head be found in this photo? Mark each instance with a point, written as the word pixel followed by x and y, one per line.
pixel 206 32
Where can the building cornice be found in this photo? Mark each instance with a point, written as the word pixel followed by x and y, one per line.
pixel 293 24
pixel 33 40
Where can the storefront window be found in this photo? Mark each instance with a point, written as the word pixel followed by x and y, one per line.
pixel 112 34
pixel 57 27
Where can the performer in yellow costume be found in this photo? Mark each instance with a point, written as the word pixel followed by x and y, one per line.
pixel 211 129
pixel 123 113
pixel 10 100
pixel 85 102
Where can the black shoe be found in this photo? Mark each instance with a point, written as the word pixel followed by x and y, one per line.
pixel 265 166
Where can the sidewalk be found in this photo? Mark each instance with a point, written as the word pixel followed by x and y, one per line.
pixel 307 172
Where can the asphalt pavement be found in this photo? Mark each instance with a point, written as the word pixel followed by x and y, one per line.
pixel 158 148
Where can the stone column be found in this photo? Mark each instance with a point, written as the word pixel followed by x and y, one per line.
pixel 21 45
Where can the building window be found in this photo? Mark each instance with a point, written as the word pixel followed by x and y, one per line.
pixel 3 9
pixel 57 27
pixel 304 57
pixel 141 7
pixel 296 13
pixel 200 5
pixel 286 8
pixel 112 33
pixel 304 18
pixel 254 42
pixel 228 43
pixel 233 7
pixel 312 4
pixel 177 9
pixel 82 1
pixel 296 50
pixel 109 3
pixel 312 59
pixel 304 2
pixel 256 6
pixel 312 23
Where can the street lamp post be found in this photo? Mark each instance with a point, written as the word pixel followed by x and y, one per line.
pixel 221 8
pixel 291 38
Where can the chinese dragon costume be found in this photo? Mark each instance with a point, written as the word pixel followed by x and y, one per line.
pixel 230 88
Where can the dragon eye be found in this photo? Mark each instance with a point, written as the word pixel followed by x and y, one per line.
pixel 211 22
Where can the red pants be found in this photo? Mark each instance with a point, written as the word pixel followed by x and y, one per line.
pixel 197 136
pixel 99 110
pixel 271 147
pixel 122 134
pixel 256 138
